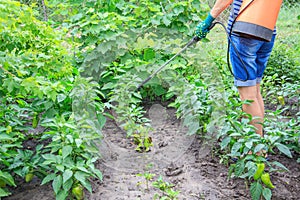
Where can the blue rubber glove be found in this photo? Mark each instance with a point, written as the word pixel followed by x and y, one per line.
pixel 203 27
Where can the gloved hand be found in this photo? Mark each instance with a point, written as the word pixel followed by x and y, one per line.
pixel 203 27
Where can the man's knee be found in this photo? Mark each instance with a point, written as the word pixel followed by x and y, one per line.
pixel 248 93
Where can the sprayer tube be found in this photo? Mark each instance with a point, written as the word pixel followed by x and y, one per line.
pixel 192 41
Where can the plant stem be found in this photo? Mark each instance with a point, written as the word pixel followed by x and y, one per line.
pixel 8 72
pixel 45 11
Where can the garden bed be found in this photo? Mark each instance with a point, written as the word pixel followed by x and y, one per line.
pixel 186 162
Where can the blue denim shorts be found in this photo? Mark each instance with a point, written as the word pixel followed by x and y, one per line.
pixel 249 64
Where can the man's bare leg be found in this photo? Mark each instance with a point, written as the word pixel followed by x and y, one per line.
pixel 256 108
pixel 261 103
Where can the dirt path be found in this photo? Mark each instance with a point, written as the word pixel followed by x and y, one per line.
pixel 184 161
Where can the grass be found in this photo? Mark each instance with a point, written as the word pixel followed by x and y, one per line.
pixel 289 28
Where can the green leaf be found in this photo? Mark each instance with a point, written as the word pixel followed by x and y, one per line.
pixel 193 128
pixel 60 168
pixel 57 183
pixel 66 151
pixel 48 178
pixel 137 95
pixel 49 158
pixel 78 142
pixel 101 121
pixel 62 194
pixel 225 142
pixel 68 185
pixel 205 40
pixel 77 17
pixel 4 136
pixel 159 90
pixel 235 134
pixel 249 144
pixel 149 54
pixel 108 86
pixel 70 126
pixel 283 149
pixel 258 148
pixel 235 148
pixel 4 193
pixel 231 169
pixel 98 173
pixel 67 175
pixel 155 20
pixel 256 190
pixel 83 169
pixel 8 178
pixel 61 97
pixel 267 193
pixel 239 168
pixel 64 12
pixel 278 164
pixel 177 10
pixel 68 162
pixel 82 178
pixel 166 21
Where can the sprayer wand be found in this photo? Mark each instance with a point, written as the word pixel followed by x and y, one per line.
pixel 194 40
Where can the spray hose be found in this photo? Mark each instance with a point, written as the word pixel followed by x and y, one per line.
pixel 236 51
pixel 194 40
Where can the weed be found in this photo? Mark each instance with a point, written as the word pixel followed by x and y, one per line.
pixel 148 177
pixel 167 193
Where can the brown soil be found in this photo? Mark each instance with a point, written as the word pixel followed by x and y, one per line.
pixel 185 161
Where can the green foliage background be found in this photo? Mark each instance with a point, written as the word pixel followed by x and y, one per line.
pixel 62 63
